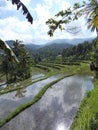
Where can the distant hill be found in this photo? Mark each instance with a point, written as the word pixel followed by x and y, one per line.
pixel 32 47
pixel 51 51
pixel 70 41
pixel 55 46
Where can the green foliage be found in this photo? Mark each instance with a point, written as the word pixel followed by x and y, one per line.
pixel 22 70
pixel 94 53
pixel 49 52
pixel 94 122
pixel 51 65
pixel 79 52
pixel 71 63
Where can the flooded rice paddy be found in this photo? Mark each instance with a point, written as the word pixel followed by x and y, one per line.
pixel 56 109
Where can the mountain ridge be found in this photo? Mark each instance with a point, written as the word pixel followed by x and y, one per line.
pixel 74 41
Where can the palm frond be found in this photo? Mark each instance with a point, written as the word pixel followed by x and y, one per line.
pixel 24 9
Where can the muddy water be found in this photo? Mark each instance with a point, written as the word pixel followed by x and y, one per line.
pixel 56 109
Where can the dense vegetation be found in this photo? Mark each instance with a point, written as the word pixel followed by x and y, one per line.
pixel 20 71
pixel 80 52
pixel 49 52
pixel 60 52
pixel 55 53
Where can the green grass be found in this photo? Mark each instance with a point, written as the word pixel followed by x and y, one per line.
pixel 28 104
pixel 87 116
pixel 59 65
pixel 37 70
pixel 43 67
pixel 51 65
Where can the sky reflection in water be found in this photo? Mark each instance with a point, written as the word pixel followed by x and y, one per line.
pixel 56 109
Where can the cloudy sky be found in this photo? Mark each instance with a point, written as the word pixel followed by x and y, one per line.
pixel 13 25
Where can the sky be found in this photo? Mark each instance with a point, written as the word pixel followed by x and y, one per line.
pixel 14 25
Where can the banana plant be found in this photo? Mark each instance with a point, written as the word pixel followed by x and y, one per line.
pixel 8 51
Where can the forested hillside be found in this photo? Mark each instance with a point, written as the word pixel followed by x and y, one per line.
pixel 80 52
pixel 50 52
pixel 67 52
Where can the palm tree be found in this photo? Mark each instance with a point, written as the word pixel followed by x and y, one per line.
pixel 92 12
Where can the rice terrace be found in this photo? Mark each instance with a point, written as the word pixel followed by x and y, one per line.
pixel 48 65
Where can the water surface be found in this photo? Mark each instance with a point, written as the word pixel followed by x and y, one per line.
pixel 56 109
pixel 9 101
pixel 37 76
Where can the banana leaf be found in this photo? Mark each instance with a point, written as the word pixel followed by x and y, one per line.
pixel 4 46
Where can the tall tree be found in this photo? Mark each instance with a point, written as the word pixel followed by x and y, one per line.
pixel 22 70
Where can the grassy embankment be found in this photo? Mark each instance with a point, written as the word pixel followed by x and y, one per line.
pixel 87 115
pixel 23 84
pixel 80 68
pixel 47 70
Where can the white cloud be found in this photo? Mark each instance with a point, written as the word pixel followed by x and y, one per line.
pixel 13 26
pixel 65 5
pixel 42 12
pixel 8 6
pixel 49 3
pixel 26 2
